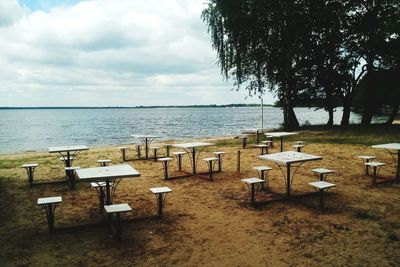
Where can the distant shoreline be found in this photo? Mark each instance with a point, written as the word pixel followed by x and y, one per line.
pixel 141 107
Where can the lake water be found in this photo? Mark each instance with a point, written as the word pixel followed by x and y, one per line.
pixel 38 129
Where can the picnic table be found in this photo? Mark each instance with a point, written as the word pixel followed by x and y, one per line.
pixel 68 152
pixel 106 174
pixel 146 141
pixel 288 158
pixel 280 135
pixel 190 149
pixel 256 131
pixel 389 148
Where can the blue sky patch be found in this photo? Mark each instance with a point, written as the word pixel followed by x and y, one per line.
pixel 46 5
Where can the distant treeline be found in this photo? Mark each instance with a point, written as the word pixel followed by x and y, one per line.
pixel 136 107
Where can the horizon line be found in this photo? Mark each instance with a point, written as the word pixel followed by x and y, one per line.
pixel 132 107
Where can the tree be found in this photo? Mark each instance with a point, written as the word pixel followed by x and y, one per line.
pixel 262 43
pixel 375 27
pixel 386 93
pixel 306 50
pixel 330 67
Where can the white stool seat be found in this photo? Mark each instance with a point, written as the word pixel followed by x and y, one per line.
pixel 30 165
pixel 64 159
pixel 218 153
pixel 262 168
pixel 321 170
pixel 210 159
pixel 72 168
pixel 95 185
pixel 179 153
pixel 374 164
pixel 322 185
pixel 104 161
pixel 116 208
pixel 160 190
pixel 49 200
pixel 252 180
pixel 262 145
pixel 165 159
pixel 267 142
pixel 367 157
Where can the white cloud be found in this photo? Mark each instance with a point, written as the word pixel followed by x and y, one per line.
pixel 109 53
pixel 10 12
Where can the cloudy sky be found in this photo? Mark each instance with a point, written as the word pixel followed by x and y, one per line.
pixel 109 53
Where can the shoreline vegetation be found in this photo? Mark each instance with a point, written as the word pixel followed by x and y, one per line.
pixel 211 223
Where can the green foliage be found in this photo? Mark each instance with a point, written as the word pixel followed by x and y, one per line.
pixel 304 51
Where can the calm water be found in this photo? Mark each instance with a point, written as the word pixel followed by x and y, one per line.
pixel 23 130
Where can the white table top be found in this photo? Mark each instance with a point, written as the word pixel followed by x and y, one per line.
pixel 56 149
pixel 393 146
pixel 280 134
pixel 103 173
pixel 288 157
pixel 192 145
pixel 145 136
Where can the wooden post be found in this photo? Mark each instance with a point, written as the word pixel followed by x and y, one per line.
pixel 238 161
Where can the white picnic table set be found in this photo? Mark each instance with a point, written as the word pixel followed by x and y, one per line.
pixel 105 179
pixel 394 151
pixel 146 140
pixel 287 159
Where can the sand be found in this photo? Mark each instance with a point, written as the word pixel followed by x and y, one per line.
pixel 206 223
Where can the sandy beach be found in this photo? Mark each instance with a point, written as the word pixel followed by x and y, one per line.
pixel 206 223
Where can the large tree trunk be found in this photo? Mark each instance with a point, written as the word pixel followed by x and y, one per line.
pixel 347 101
pixel 393 114
pixel 290 122
pixel 329 103
pixel 370 103
pixel 330 120
pixel 367 117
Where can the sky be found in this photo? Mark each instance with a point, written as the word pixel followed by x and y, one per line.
pixel 109 53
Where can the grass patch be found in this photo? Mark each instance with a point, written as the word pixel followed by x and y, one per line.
pixel 353 134
pixel 366 215
pixel 11 163
pixel 393 237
